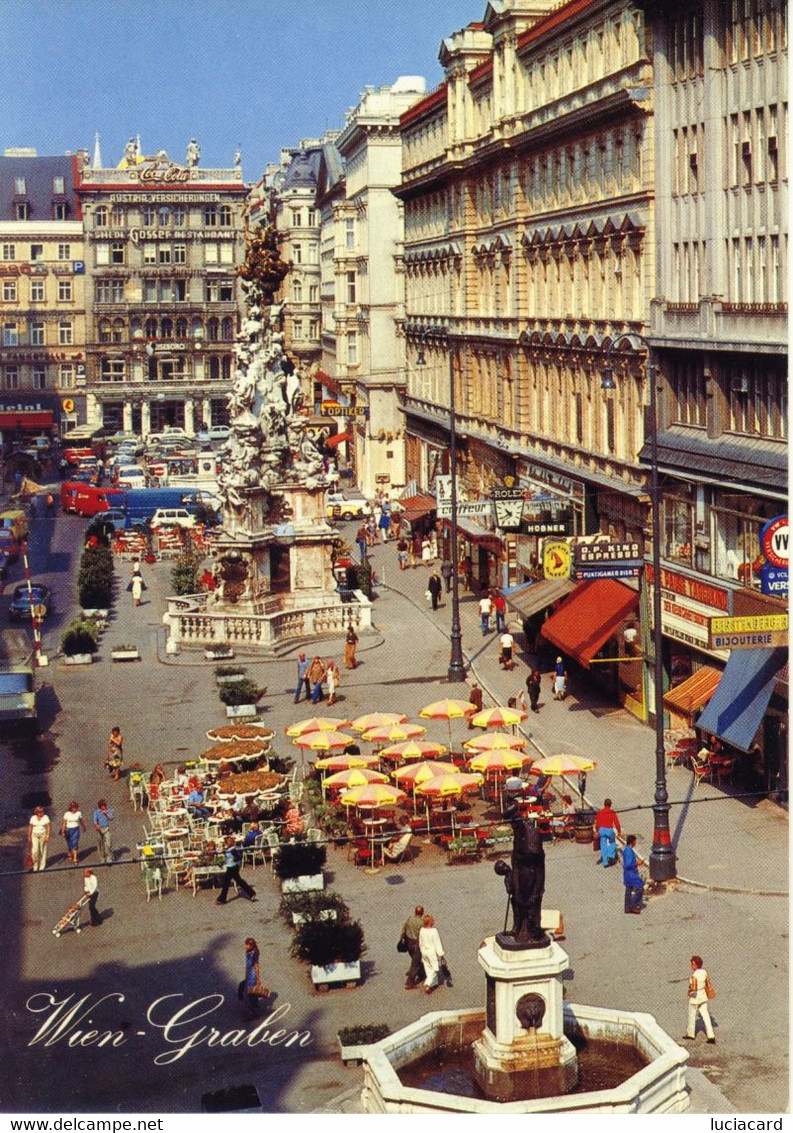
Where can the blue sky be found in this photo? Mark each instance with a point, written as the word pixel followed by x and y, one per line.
pixel 262 73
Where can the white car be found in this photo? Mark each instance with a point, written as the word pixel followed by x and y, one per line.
pixel 172 517
pixel 215 433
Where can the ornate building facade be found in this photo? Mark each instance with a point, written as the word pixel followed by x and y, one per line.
pixel 163 243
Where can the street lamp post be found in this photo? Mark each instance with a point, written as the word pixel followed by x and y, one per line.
pixel 456 670
pixel 662 854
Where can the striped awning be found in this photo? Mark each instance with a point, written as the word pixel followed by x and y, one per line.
pixel 693 693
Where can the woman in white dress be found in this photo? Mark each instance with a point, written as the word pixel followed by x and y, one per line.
pixel 431 949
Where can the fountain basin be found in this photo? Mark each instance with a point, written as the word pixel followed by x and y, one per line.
pixel 658 1087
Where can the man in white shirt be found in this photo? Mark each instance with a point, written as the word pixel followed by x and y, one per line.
pixel 38 837
pixel 485 607
pixel 507 643
pixel 91 887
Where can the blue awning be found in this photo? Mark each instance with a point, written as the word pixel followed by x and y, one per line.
pixel 737 707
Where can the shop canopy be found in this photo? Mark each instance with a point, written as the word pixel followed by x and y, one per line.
pixel 737 707
pixel 531 597
pixel 477 534
pixel 416 507
pixel 25 419
pixel 693 693
pixel 589 617
pixel 337 439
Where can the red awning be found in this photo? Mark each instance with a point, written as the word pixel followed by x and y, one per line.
pixel 33 419
pixel 416 507
pixel 694 693
pixel 329 383
pixel 588 618
pixel 337 439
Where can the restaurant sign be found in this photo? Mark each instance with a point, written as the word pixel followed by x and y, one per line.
pixel 604 559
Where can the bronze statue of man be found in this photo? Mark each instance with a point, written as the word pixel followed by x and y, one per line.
pixel 524 880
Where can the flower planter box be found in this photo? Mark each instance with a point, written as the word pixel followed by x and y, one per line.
pixel 230 678
pixel 235 711
pixel 309 883
pixel 348 974
pixel 79 659
pixel 325 915
pixel 351 1055
pixel 219 654
pixel 124 655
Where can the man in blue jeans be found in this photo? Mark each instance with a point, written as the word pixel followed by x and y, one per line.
pixel 233 858
pixel 302 677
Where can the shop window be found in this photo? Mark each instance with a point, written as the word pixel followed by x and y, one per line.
pixel 677 530
pixel 736 546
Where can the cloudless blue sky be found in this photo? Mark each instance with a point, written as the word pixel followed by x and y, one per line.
pixel 262 73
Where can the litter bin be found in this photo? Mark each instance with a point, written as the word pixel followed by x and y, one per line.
pixel 582 826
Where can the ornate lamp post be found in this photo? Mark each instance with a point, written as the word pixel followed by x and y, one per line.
pixel 456 671
pixel 662 854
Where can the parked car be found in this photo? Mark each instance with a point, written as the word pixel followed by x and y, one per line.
pixel 9 544
pixel 172 517
pixel 21 601
pixel 340 506
pixel 214 433
pixel 113 519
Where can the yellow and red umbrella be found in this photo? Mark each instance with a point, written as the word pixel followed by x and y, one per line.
pixel 447 710
pixel 413 749
pixel 318 724
pixel 353 777
pixel 323 741
pixel 496 741
pixel 447 785
pixel 498 717
pixel 344 762
pixel 373 795
pixel 566 765
pixel 497 762
pixel 393 733
pixel 377 720
pixel 418 773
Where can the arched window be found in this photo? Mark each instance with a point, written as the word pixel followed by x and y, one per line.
pixel 117 217
pixel 225 370
pixel 100 217
pixel 227 329
pixel 118 330
pixel 181 328
pixel 136 329
pixel 166 328
pixel 297 290
pixel 164 216
pixel 213 329
pixel 105 331
pixel 214 368
pixel 198 328
pixel 151 328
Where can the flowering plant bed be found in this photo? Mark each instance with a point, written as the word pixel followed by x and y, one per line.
pixel 247 782
pixel 235 749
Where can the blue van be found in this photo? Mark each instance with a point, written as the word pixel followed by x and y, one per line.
pixel 140 504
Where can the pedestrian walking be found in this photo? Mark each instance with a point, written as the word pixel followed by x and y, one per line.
pixel 485 609
pixel 136 586
pixel 533 689
pixel 432 957
pixel 91 889
pixel 631 878
pixel 475 697
pixel 49 509
pixel 435 588
pixel 350 643
pixel 251 986
pixel 466 571
pixel 114 758
pixel 559 680
pixel 361 540
pixel 232 854
pixel 103 816
pixel 410 933
pixel 426 551
pixel 433 544
pixel 506 644
pixel 415 549
pixel 447 570
pixel 500 607
pixel 71 825
pixel 700 990
pixel 384 523
pixel 38 839
pixel 316 676
pixel 402 554
pixel 302 677
pixel 606 828
pixel 332 676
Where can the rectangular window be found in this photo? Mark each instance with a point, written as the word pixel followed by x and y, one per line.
pixel 179 215
pixel 180 253
pixel 211 254
pixel 117 252
pixel 226 291
pixel 65 333
pixel 227 253
pixel 349 226
pixel 210 216
pixel 313 293
pixel 149 216
pixel 9 291
pixel 37 290
pixel 11 377
pixel 21 210
pixel 164 254
pixel 9 252
pixel 297 253
pixel 59 210
pixel 39 377
pixel 296 218
pixel 179 290
pixel 312 218
pixel 64 251
pixel 150 291
pixel 117 291
pixel 64 290
pixel 297 328
pixel 150 253
pixel 36 252
pixel 352 348
pixel 37 334
pixel 102 255
pixel 66 375
pixel 313 330
pixel 112 370
pixel 226 216
pixel 58 186
pixel 10 334
pixel 20 186
pixel 351 287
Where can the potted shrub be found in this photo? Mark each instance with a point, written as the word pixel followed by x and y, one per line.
pixel 124 652
pixel 299 866
pixel 353 1039
pixel 225 673
pixel 241 697
pixel 184 574
pixel 79 641
pixel 299 908
pixel 219 653
pixel 334 950
pixel 95 579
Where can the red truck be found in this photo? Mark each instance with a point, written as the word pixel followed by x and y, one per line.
pixel 87 499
